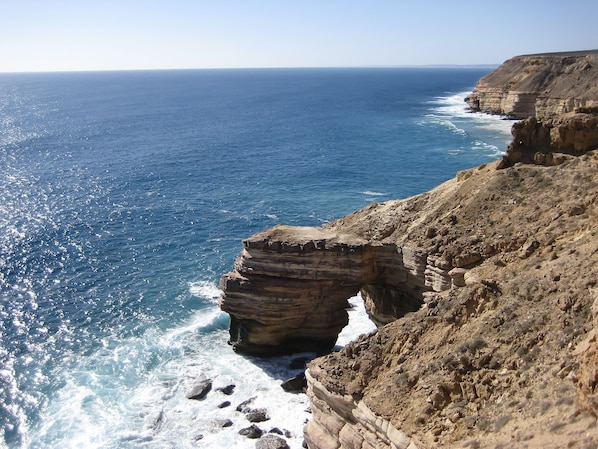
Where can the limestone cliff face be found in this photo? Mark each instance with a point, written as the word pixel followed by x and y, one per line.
pixel 539 85
pixel 485 290
pixel 290 288
pixel 548 141
pixel 506 358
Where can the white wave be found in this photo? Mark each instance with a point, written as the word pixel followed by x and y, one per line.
pixel 205 290
pixel 452 105
pixel 16 421
pixel 450 126
pixel 78 417
pixel 359 322
pixel 372 193
pixel 489 133
pixel 202 321
pixel 131 392
pixel 483 145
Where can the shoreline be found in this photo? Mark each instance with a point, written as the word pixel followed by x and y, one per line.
pixel 435 272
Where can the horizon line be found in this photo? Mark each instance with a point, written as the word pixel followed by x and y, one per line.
pixel 164 69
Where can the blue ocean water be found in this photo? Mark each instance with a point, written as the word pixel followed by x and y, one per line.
pixel 124 196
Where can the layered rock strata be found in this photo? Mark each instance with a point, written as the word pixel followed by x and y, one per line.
pixel 507 358
pixel 344 422
pixel 549 141
pixel 493 274
pixel 290 286
pixel 540 86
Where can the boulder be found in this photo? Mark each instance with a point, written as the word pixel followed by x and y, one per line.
pixel 271 442
pixel 295 384
pixel 244 406
pixel 257 415
pixel 223 422
pixel 252 432
pixel 228 390
pixel 200 388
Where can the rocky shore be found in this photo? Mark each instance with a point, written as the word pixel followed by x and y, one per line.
pixel 484 288
pixel 254 419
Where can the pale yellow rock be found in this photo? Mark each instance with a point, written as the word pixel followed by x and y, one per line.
pixel 504 352
pixel 539 85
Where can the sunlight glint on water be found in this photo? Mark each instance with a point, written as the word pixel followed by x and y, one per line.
pixel 125 196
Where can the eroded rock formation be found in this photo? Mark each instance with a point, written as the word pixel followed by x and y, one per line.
pixel 508 359
pixel 290 287
pixel 540 85
pixel 549 141
pixel 498 268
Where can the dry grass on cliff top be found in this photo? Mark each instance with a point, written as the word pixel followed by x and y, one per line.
pixel 500 362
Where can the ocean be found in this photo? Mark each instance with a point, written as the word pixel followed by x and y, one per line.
pixel 124 196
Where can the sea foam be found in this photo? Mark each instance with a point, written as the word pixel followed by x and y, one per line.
pixel 124 198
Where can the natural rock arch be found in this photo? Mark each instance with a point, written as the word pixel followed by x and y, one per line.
pixel 290 287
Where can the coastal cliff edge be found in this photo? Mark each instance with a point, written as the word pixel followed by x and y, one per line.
pixel 485 290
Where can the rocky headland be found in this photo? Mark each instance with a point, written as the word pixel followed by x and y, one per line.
pixel 485 290
pixel 541 85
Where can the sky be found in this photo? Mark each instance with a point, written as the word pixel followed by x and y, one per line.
pixel 73 35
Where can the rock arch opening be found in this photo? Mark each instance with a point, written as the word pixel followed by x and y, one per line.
pixel 359 322
pixel 290 286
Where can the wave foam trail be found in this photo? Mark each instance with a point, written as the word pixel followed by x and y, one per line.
pixel 450 125
pixel 132 392
pixel 372 193
pixel 484 133
pixel 455 106
pixel 205 289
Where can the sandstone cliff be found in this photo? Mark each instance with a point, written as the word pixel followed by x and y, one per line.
pixel 539 85
pixel 507 359
pixel 486 292
pixel 503 350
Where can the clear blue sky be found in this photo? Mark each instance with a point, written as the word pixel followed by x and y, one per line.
pixel 49 35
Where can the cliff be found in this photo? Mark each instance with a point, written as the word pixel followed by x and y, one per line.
pixel 540 85
pixel 497 358
pixel 485 291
